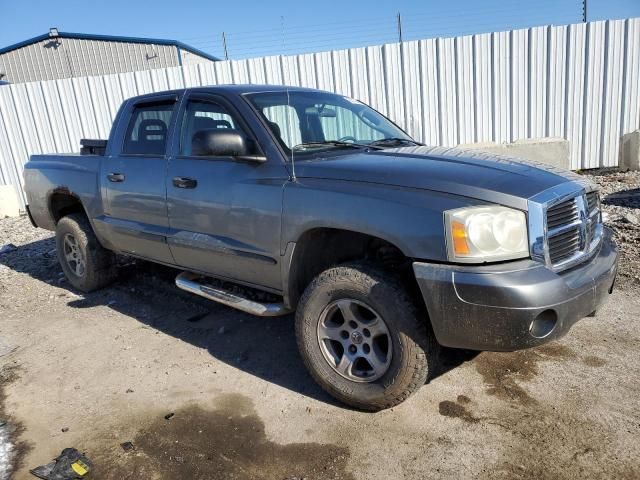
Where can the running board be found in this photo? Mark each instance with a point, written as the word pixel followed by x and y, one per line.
pixel 191 283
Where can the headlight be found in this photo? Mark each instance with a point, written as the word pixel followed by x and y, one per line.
pixel 486 234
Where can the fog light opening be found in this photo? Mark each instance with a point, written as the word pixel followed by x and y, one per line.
pixel 543 324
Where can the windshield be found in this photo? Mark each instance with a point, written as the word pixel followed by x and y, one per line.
pixel 312 122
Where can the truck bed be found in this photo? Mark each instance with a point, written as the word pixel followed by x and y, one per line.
pixel 71 173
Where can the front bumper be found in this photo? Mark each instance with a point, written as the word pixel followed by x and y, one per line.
pixel 513 305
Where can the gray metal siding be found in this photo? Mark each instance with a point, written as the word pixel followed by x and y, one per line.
pixel 71 57
pixel 190 58
pixel 580 82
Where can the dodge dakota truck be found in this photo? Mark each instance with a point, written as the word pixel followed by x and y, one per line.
pixel 313 202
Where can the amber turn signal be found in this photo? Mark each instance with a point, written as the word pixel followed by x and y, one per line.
pixel 460 246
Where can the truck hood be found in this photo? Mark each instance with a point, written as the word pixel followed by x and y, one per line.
pixel 469 173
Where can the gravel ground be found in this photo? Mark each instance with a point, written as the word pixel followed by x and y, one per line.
pixel 620 193
pixel 95 371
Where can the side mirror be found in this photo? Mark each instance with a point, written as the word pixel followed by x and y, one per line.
pixel 218 142
pixel 222 142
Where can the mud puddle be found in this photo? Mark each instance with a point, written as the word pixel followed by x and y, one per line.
pixel 504 373
pixel 458 409
pixel 540 440
pixel 228 442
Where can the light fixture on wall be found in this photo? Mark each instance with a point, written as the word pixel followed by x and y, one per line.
pixel 54 38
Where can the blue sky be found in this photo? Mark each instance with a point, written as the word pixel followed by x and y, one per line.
pixel 292 26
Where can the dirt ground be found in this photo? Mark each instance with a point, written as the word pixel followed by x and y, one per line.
pixel 206 392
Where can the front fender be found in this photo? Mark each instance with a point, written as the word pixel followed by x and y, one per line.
pixel 409 218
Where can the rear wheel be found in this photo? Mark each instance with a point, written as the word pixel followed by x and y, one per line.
pixel 360 336
pixel 87 265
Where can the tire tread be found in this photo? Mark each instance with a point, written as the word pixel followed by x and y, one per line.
pixel 422 347
pixel 100 262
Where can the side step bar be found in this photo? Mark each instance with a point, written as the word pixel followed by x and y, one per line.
pixel 191 282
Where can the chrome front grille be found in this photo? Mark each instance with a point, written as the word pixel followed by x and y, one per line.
pixel 563 230
pixel 565 225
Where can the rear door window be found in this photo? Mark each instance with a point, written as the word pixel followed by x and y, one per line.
pixel 148 129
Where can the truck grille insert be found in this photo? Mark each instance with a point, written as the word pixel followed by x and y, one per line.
pixel 593 201
pixel 572 226
pixel 564 245
pixel 562 214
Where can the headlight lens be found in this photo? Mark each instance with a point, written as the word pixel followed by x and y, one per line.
pixel 486 233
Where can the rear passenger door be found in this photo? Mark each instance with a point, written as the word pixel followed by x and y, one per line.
pixel 133 180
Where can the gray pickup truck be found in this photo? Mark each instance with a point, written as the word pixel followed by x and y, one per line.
pixel 311 201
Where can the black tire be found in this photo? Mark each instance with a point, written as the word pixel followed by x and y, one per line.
pixel 414 348
pixel 99 263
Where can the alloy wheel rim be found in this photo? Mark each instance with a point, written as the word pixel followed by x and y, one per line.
pixel 354 340
pixel 73 255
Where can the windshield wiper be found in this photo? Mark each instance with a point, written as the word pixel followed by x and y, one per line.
pixel 394 141
pixel 333 143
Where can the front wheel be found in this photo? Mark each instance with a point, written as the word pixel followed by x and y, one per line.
pixel 86 264
pixel 361 338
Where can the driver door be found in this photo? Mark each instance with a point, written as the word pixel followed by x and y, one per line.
pixel 224 213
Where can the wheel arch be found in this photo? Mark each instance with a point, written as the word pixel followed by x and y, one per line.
pixel 62 202
pixel 320 248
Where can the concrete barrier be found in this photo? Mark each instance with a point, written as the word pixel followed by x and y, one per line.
pixel 9 205
pixel 552 151
pixel 630 151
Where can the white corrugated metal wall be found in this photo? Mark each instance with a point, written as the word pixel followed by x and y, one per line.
pixel 580 82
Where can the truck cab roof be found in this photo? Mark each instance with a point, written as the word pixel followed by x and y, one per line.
pixel 237 89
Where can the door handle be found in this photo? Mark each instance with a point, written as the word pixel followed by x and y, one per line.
pixel 116 177
pixel 184 182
